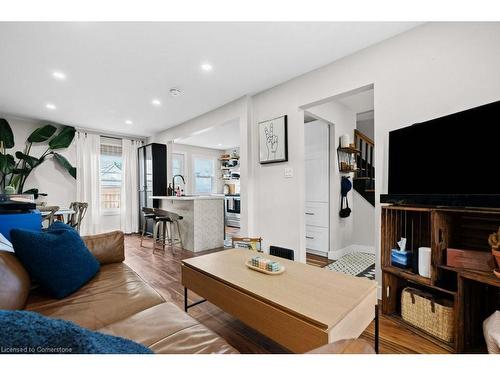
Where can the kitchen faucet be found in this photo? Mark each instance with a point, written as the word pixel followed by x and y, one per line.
pixel 173 182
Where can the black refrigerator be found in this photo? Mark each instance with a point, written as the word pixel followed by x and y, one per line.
pixel 152 160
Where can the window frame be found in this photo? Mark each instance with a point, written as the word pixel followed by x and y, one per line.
pixel 110 142
pixel 213 177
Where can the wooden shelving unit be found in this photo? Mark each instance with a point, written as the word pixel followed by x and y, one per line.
pixel 475 294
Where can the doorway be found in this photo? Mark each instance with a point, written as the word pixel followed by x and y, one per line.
pixel 339 147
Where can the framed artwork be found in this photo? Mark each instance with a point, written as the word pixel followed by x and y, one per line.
pixel 273 140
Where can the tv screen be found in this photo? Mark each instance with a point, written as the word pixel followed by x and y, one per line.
pixel 458 154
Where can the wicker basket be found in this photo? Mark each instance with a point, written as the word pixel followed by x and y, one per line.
pixel 423 311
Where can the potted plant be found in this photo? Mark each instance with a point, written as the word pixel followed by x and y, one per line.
pixel 494 241
pixel 15 169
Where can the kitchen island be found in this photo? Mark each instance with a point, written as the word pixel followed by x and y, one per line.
pixel 202 224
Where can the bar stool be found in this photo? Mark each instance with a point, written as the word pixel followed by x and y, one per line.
pixel 165 219
pixel 148 214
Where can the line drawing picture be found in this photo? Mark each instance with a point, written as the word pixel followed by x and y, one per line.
pixel 273 140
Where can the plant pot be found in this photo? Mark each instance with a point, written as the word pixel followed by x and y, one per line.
pixel 496 254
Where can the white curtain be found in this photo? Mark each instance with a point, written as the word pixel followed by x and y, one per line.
pixel 88 151
pixel 129 204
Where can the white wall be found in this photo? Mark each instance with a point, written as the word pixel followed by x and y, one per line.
pixel 189 153
pixel 427 72
pixel 49 178
pixel 367 127
pixel 363 233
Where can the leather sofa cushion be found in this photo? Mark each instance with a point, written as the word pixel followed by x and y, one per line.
pixel 14 282
pixel 115 293
pixel 166 329
pixel 107 247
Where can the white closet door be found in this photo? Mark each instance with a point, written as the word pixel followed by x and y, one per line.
pixel 317 186
pixel 316 163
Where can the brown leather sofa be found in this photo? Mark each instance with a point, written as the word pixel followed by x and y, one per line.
pixel 116 301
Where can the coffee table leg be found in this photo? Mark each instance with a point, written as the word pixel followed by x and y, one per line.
pixel 376 329
pixel 186 306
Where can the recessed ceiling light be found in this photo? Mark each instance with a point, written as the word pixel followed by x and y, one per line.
pixel 156 102
pixel 128 122
pixel 207 67
pixel 59 75
pixel 175 92
pixel 220 144
pixel 50 106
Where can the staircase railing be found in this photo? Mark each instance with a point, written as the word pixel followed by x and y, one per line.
pixel 365 160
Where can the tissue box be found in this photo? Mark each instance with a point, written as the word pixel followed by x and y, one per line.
pixel 401 259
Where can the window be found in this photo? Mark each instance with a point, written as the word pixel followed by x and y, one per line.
pixel 111 174
pixel 177 164
pixel 203 175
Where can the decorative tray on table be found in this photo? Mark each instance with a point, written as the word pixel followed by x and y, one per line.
pixel 264 265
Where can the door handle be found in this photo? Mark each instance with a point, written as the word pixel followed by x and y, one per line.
pixel 310 238
pixel 309 213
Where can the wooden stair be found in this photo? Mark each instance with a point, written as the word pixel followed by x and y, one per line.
pixel 364 179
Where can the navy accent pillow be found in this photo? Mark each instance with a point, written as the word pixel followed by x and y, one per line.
pixel 26 332
pixel 57 258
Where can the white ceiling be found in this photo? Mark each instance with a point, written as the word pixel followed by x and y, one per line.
pixel 115 70
pixel 222 137
pixel 359 102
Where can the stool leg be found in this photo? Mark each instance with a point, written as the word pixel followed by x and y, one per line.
pixel 169 232
pixel 172 238
pixel 155 234
pixel 164 228
pixel 144 229
pixel 179 232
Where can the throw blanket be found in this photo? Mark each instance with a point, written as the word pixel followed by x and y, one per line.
pixel 25 332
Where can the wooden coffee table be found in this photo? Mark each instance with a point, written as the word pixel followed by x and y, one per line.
pixel 302 309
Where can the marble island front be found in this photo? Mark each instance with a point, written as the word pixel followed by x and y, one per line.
pixel 202 226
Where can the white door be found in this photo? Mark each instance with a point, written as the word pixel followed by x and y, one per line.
pixel 317 186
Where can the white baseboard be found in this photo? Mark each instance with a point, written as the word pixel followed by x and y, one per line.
pixel 336 254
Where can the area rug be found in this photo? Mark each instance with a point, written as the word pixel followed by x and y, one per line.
pixel 356 264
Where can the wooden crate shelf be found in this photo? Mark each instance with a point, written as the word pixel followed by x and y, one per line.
pixel 440 229
pixel 407 275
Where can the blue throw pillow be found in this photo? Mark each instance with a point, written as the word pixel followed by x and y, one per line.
pixel 26 332
pixel 57 258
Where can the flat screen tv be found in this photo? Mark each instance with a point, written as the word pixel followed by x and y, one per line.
pixel 448 161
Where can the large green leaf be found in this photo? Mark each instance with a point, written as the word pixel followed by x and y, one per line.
pixel 65 164
pixel 6 135
pixel 7 163
pixel 30 160
pixel 63 139
pixel 16 179
pixel 42 134
pixel 21 171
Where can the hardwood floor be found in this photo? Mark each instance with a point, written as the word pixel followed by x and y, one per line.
pixel 317 260
pixel 162 271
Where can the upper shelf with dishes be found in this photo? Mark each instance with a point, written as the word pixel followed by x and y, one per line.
pixel 230 166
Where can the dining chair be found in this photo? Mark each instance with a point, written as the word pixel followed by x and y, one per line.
pixel 48 213
pixel 79 211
